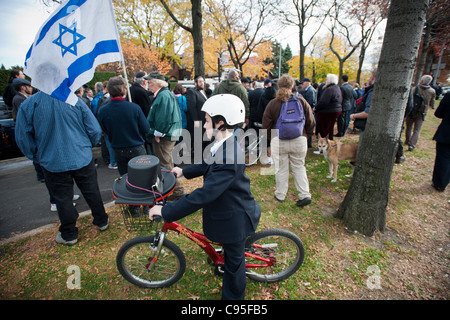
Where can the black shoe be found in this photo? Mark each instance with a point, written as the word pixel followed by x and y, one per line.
pixel 278 199
pixel 400 159
pixel 410 148
pixel 303 202
pixel 438 188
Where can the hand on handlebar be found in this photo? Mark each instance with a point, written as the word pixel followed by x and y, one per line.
pixel 178 172
pixel 155 212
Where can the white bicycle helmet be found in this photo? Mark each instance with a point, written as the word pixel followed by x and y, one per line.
pixel 228 106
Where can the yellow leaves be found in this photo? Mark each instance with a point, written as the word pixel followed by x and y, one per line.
pixel 138 58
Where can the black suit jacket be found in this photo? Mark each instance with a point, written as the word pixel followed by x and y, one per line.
pixel 442 134
pixel 230 212
pixel 194 100
pixel 141 97
pixel 253 99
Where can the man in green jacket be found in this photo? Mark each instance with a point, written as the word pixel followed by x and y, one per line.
pixel 165 124
pixel 233 85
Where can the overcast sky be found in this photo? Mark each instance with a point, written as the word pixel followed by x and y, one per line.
pixel 20 21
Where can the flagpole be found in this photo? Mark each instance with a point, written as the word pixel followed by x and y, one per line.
pixel 121 52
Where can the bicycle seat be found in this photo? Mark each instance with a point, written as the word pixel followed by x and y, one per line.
pixel 144 183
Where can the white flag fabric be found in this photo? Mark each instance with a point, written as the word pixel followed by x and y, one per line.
pixel 77 37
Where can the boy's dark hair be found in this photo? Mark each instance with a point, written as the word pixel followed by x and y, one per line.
pixel 224 126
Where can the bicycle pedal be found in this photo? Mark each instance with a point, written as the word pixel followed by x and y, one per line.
pixel 218 271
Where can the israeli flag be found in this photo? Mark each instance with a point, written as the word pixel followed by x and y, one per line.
pixel 75 39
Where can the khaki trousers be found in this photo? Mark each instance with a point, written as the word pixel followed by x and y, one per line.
pixel 163 150
pixel 293 153
pixel 412 134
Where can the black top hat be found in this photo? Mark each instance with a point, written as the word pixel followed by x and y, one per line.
pixel 144 183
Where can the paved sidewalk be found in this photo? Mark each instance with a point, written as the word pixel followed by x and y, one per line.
pixel 24 201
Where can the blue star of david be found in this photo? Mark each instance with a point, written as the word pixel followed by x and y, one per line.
pixel 76 38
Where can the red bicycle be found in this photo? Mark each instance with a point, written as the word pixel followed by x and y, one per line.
pixel 153 261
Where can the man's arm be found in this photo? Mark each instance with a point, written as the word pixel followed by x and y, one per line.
pixel 24 130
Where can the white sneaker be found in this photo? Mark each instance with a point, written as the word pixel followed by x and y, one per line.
pixel 267 160
pixel 110 166
pixel 53 206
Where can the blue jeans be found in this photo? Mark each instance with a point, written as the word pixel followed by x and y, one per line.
pixel 112 158
pixel 60 187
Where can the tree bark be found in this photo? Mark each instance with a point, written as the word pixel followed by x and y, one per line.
pixel 197 36
pixel 423 55
pixel 364 206
pixel 195 31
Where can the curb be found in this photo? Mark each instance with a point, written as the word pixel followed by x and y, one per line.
pixel 48 226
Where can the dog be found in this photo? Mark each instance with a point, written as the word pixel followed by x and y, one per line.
pixel 335 152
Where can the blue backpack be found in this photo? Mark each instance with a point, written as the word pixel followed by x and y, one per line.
pixel 291 121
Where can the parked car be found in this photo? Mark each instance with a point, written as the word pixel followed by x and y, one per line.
pixel 8 145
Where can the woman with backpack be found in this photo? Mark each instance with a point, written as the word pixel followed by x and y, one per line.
pixel 289 151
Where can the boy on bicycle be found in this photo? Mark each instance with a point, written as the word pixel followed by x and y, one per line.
pixel 230 212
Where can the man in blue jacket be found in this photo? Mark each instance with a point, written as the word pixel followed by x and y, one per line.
pixel 125 124
pixel 61 136
pixel 230 212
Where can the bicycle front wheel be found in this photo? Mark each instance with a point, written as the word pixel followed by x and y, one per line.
pixel 134 263
pixel 274 255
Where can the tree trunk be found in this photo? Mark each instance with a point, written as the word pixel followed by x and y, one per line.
pixel 364 206
pixel 302 56
pixel 195 31
pixel 362 56
pixel 423 55
pixel 197 36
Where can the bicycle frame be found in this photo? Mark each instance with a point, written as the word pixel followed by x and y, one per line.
pixel 207 246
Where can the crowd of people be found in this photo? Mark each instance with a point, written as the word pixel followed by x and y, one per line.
pixel 153 121
pixel 148 118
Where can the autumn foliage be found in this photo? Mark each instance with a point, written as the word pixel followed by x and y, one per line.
pixel 138 58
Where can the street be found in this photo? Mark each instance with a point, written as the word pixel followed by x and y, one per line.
pixel 24 201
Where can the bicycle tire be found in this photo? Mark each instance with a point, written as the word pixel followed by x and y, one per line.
pixel 133 259
pixel 284 245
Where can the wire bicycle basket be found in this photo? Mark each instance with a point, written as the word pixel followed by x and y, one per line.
pixel 135 218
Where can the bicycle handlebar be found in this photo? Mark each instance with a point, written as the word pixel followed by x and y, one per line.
pixel 157 219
